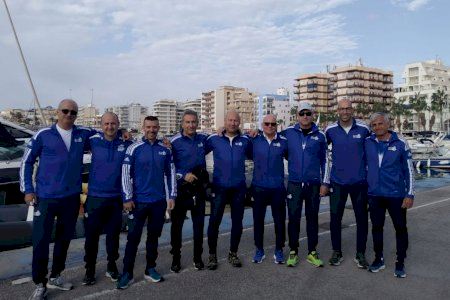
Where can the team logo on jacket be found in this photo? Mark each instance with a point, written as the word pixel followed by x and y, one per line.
pixel 200 144
pixel 277 144
pixel 393 148
pixel 78 140
pixel 357 136
pixel 121 148
pixel 315 138
pixel 238 144
pixel 162 152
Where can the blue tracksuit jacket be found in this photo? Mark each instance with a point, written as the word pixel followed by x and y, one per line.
pixel 268 171
pixel 347 162
pixel 106 165
pixel 59 171
pixel 188 153
pixel 307 154
pixel 145 170
pixel 229 159
pixel 390 171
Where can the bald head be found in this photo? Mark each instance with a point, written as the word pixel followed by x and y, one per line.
pixel 344 103
pixel 110 125
pixel 345 112
pixel 110 115
pixel 232 122
pixel 67 102
pixel 232 114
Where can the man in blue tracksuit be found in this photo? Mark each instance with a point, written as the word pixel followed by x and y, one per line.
pixel 390 178
pixel 269 151
pixel 229 152
pixel 306 163
pixel 103 207
pixel 188 148
pixel 346 174
pixel 59 149
pixel 146 167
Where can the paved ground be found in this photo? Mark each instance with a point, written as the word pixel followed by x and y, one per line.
pixel 427 266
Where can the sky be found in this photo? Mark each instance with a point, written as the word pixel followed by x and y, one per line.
pixel 146 50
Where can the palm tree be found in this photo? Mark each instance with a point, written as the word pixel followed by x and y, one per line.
pixel 438 101
pixel 419 104
pixel 398 109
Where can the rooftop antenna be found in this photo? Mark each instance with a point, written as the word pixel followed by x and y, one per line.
pixel 25 64
pixel 360 63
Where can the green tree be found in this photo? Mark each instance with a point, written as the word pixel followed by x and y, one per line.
pixel 438 101
pixel 419 105
pixel 399 109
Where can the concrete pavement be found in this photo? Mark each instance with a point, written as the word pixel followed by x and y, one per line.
pixel 427 267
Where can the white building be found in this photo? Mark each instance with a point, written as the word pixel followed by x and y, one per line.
pixel 168 113
pixel 88 116
pixel 130 116
pixel 277 105
pixel 195 105
pixel 426 78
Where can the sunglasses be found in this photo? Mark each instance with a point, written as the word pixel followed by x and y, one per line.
pixel 270 124
pixel 305 113
pixel 67 111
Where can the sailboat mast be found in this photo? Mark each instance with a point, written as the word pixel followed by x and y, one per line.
pixel 25 65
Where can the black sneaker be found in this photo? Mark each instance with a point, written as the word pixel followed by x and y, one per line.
pixel 125 280
pixel 399 270
pixel 39 293
pixel 212 262
pixel 234 260
pixel 199 265
pixel 176 265
pixel 89 278
pixel 361 261
pixel 336 258
pixel 112 272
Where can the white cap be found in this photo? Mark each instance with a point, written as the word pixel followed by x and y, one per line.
pixel 305 105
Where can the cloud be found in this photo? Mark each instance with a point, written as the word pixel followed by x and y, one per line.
pixel 146 50
pixel 411 5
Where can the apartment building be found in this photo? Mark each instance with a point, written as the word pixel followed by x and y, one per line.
pixel 88 116
pixel 425 78
pixel 130 116
pixel 168 112
pixel 277 105
pixel 215 104
pixel 194 105
pixel 364 86
pixel 317 89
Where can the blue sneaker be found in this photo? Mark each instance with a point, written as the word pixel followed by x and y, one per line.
pixel 125 280
pixel 259 256
pixel 377 265
pixel 399 270
pixel 278 256
pixel 152 275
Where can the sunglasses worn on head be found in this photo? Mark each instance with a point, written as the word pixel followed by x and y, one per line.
pixel 67 111
pixel 271 124
pixel 305 113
